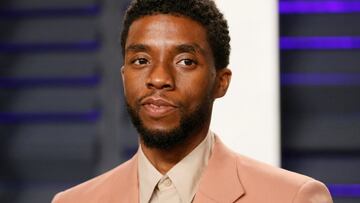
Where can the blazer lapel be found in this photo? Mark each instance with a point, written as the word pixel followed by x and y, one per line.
pixel 220 181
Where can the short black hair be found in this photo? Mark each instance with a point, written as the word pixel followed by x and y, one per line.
pixel 203 11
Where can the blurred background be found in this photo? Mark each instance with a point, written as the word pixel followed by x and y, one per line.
pixel 62 119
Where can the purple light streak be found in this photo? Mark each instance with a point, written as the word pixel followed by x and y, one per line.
pixel 23 82
pixel 296 43
pixel 85 45
pixel 320 79
pixel 344 190
pixel 15 13
pixel 305 7
pixel 43 117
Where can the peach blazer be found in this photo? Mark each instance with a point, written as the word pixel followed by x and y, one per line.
pixel 228 178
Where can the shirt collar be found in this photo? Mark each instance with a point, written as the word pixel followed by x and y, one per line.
pixel 148 177
pixel 185 175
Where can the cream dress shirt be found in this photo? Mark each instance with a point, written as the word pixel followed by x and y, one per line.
pixel 179 184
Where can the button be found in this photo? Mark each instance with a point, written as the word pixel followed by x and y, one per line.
pixel 164 184
pixel 167 182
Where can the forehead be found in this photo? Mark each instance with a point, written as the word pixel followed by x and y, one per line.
pixel 164 29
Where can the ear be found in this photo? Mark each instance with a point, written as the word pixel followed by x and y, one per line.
pixel 122 72
pixel 223 78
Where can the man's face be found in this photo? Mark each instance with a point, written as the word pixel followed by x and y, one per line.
pixel 169 77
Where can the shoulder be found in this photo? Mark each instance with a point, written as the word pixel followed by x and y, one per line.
pixel 98 187
pixel 279 183
pixel 273 183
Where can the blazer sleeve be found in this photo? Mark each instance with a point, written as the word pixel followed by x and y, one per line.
pixel 313 191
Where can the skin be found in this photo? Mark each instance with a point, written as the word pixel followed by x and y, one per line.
pixel 168 70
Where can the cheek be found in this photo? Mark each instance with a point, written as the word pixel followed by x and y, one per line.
pixel 196 89
pixel 132 86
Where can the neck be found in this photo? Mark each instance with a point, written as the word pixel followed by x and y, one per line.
pixel 164 160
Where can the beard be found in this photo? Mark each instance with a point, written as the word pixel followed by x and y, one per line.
pixel 190 123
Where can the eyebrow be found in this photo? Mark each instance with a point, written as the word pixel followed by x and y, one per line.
pixel 137 48
pixel 189 48
pixel 182 48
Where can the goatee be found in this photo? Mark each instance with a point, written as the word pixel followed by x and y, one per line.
pixel 189 124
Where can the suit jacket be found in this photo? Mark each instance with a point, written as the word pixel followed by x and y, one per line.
pixel 228 178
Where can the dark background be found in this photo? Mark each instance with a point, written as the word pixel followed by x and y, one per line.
pixel 62 119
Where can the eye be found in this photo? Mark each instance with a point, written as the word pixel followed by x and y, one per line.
pixel 140 61
pixel 186 62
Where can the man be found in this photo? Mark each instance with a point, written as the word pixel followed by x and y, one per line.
pixel 175 58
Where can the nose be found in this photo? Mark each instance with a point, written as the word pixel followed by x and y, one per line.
pixel 160 77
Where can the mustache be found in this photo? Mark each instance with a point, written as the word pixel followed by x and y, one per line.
pixel 158 94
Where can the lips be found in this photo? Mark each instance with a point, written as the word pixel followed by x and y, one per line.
pixel 157 107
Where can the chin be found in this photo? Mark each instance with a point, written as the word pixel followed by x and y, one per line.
pixel 163 139
pixel 161 127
